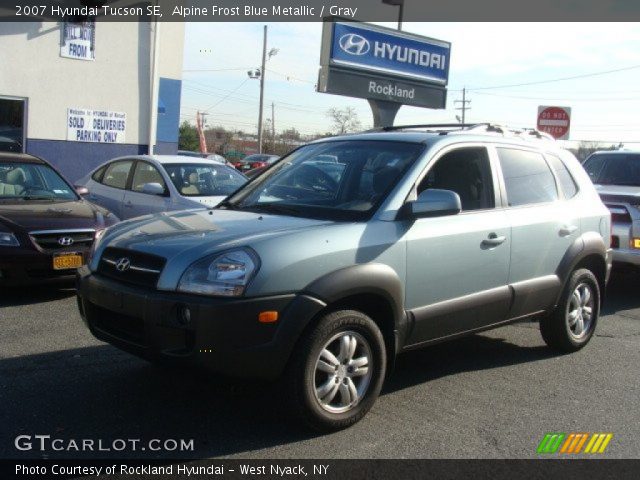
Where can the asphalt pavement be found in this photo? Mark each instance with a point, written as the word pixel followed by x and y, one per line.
pixel 492 395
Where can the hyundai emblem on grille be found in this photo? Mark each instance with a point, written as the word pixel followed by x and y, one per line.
pixel 123 264
pixel 65 241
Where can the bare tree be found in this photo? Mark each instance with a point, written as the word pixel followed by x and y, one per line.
pixel 586 148
pixel 344 120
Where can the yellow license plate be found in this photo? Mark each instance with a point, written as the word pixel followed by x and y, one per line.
pixel 67 262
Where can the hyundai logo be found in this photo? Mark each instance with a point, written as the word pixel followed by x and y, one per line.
pixel 65 241
pixel 123 264
pixel 354 44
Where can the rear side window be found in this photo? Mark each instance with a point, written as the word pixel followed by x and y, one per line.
pixel 527 177
pixel 568 184
pixel 116 174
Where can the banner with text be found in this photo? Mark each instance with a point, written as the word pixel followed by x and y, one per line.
pixel 99 126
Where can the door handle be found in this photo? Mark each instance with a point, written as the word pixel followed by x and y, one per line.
pixel 567 230
pixel 493 240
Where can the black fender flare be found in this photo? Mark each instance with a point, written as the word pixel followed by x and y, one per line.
pixel 588 244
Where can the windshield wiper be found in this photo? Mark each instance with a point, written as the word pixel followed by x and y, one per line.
pixel 274 208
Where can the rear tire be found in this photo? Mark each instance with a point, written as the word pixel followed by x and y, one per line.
pixel 572 324
pixel 336 371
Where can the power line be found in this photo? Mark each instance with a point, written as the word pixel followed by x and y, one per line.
pixel 561 79
pixel 567 99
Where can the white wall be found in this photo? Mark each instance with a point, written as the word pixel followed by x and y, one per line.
pixel 117 80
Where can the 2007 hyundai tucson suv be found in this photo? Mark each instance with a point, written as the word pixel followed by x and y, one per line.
pixel 322 272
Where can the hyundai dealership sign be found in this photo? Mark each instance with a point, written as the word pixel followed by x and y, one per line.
pixel 368 61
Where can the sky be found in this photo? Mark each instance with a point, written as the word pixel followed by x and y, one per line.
pixel 487 59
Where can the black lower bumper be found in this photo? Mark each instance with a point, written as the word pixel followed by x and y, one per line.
pixel 222 335
pixel 29 267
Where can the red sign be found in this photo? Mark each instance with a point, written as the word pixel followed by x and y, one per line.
pixel 555 121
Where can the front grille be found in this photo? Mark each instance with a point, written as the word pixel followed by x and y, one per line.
pixel 59 240
pixel 141 268
pixel 619 213
pixel 119 325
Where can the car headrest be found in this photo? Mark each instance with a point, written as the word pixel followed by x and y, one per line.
pixel 16 177
pixel 193 178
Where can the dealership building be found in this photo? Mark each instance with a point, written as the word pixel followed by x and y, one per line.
pixel 80 93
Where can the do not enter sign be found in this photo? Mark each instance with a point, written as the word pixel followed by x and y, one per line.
pixel 555 121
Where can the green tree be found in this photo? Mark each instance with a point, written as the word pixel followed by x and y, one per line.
pixel 188 139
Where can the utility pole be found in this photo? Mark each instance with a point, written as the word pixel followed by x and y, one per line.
pixel 464 105
pixel 262 75
pixel 273 127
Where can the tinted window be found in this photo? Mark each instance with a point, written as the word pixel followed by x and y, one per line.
pixel 527 177
pixel 618 169
pixel 146 173
pixel 117 173
pixel 204 180
pixel 593 165
pixel 567 182
pixel 467 172
pixel 31 181
pixel 97 176
pixel 303 183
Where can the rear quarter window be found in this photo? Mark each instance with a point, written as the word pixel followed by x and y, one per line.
pixel 567 182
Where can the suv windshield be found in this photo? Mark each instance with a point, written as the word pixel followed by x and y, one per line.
pixel 202 180
pixel 32 181
pixel 614 169
pixel 349 186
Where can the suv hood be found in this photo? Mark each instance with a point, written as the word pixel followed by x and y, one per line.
pixel 46 215
pixel 193 234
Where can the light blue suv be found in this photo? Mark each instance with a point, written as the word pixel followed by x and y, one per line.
pixel 322 272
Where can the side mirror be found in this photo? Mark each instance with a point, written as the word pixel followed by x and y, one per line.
pixel 153 189
pixel 80 190
pixel 435 203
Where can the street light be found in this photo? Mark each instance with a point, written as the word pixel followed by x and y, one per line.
pixel 397 3
pixel 259 73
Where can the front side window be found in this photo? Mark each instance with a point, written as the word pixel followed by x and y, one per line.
pixel 527 177
pixel 145 173
pixel 467 172
pixel 342 180
pixel 117 174
pixel 32 181
pixel 616 169
pixel 204 180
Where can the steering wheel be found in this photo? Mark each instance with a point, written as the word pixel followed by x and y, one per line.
pixel 313 178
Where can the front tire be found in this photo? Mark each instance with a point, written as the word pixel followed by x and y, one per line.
pixel 336 371
pixel 572 324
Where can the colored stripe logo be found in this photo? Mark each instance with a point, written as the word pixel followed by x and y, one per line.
pixel 573 443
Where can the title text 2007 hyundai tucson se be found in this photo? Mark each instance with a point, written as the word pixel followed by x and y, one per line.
pixel 322 272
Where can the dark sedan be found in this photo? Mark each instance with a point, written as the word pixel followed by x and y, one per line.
pixel 46 228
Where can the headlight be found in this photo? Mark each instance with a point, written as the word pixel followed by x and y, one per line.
pixel 8 240
pixel 225 274
pixel 96 241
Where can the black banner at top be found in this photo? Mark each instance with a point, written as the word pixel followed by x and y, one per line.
pixel 316 10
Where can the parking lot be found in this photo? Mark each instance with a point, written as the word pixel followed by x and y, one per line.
pixel 493 395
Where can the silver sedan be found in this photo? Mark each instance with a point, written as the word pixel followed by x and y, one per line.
pixel 142 184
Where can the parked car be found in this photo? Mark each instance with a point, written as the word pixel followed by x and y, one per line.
pixel 139 185
pixel 422 236
pixel 209 156
pixel 46 228
pixel 257 160
pixel 616 175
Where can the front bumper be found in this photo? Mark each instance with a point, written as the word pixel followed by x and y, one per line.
pixel 222 335
pixel 23 266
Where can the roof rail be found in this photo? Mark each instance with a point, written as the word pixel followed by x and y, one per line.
pixel 435 126
pixel 445 128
